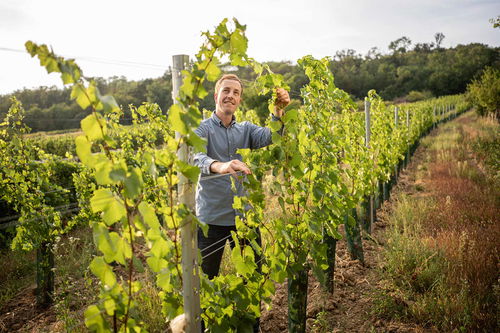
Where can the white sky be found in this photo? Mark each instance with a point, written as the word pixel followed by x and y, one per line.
pixel 151 31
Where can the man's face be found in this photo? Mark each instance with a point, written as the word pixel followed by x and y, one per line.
pixel 228 98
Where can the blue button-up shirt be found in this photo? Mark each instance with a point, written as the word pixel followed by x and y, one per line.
pixel 214 196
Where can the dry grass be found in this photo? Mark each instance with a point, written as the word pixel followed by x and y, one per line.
pixel 445 266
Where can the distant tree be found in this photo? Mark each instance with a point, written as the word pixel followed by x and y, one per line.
pixel 159 91
pixel 423 47
pixel 438 37
pixel 373 53
pixel 484 93
pixel 495 22
pixel 400 45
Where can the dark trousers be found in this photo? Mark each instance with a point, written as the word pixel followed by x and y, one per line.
pixel 212 249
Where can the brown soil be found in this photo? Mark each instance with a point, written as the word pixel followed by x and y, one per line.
pixel 22 315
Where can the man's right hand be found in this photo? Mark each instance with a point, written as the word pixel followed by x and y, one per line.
pixel 230 167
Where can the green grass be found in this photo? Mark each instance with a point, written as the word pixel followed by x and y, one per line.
pixel 76 288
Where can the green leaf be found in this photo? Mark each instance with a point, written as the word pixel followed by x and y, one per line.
pixel 93 95
pixel 31 48
pixel 290 115
pixel 187 87
pixel 114 212
pixel 102 172
pixel 163 281
pixel 271 107
pixel 51 64
pixel 204 228
pixel 79 93
pixel 160 247
pixel 106 243
pixel 296 158
pixel 199 144
pixel 276 138
pixel 239 262
pixel 213 71
pixel 191 172
pixel 156 264
pixel 101 199
pixel 118 172
pixel 237 203
pixel 103 271
pixel 245 265
pixel 237 60
pixel 111 247
pixel 110 306
pixel 175 120
pixel 238 42
pixel 104 200
pixel 275 125
pixel 149 215
pixel 67 78
pixel 94 320
pixel 70 72
pixel 94 126
pixel 83 150
pixel 133 183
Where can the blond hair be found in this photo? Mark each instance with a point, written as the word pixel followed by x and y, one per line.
pixel 224 77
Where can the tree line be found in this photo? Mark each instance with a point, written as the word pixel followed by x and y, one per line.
pixel 408 72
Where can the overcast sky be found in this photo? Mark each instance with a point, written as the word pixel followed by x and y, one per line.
pixel 143 35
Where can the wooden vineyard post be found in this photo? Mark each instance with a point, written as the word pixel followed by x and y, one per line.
pixel 190 267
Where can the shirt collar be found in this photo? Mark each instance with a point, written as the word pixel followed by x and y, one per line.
pixel 219 122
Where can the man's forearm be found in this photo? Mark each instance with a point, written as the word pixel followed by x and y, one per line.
pixel 215 166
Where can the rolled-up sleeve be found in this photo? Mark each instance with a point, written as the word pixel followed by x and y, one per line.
pixel 202 160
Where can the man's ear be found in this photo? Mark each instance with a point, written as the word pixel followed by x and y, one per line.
pixel 215 98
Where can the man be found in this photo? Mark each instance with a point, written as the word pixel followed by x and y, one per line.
pixel 214 195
